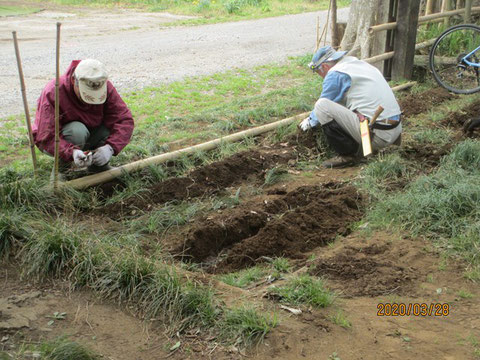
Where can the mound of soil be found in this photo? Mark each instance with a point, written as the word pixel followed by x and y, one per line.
pixel 205 180
pixel 369 270
pixel 414 104
pixel 289 226
pixel 458 119
pixel 427 155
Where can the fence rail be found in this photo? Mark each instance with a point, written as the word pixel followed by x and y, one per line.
pixel 422 19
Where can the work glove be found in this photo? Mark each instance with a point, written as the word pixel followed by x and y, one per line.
pixel 471 124
pixel 81 159
pixel 102 155
pixel 305 124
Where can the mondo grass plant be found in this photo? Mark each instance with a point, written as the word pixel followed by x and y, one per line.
pixel 303 290
pixel 443 206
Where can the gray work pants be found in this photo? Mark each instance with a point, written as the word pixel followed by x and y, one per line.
pixel 78 134
pixel 327 110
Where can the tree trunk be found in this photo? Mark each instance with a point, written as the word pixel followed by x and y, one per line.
pixel 362 15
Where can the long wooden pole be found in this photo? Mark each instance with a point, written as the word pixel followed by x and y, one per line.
pixel 25 103
pixel 57 109
pixel 421 19
pixel 105 176
pixel 335 36
pixel 390 54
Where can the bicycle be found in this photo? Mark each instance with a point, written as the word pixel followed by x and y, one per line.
pixel 454 59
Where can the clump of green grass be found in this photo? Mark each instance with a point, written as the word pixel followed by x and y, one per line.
pixel 378 175
pixel 63 349
pixel 437 137
pixel 13 228
pixel 465 155
pixel 444 206
pixel 50 250
pixel 245 326
pixel 244 277
pixel 281 265
pixel 340 319
pixel 304 289
pixel 275 175
pixel 464 294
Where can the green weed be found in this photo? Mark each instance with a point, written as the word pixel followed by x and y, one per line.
pixel 274 175
pixel 464 294
pixel 304 289
pixel 63 349
pixel 244 277
pixel 340 319
pixel 443 206
pixel 245 326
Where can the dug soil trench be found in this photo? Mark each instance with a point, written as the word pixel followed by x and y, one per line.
pixel 286 225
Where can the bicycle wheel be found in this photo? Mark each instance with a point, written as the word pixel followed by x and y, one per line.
pixel 448 60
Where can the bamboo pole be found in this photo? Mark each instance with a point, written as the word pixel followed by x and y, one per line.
pixel 326 24
pixel 318 34
pixel 422 19
pixel 25 103
pixel 404 86
pixel 105 176
pixel 390 54
pixel 57 110
pixel 335 38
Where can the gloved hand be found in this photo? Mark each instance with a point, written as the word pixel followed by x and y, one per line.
pixel 80 159
pixel 305 124
pixel 471 124
pixel 102 155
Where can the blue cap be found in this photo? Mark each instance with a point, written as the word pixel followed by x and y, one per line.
pixel 324 54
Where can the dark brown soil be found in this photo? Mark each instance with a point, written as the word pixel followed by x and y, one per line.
pixel 458 119
pixel 414 104
pixel 205 180
pixel 370 270
pixel 426 155
pixel 288 225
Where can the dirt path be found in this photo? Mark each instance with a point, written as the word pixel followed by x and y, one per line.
pixel 140 50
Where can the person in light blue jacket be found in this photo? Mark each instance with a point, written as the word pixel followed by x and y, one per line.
pixel 352 91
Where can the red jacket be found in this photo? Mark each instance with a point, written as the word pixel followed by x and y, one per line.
pixel 114 114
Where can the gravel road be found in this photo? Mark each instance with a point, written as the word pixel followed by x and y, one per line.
pixel 139 50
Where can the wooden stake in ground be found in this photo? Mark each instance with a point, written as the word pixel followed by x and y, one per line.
pixel 365 131
pixel 57 110
pixel 25 103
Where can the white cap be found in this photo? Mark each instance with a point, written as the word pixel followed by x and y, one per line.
pixel 92 81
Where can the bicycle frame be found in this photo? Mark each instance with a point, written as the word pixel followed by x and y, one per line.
pixel 469 63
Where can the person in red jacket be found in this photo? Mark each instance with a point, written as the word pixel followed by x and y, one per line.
pixel 95 123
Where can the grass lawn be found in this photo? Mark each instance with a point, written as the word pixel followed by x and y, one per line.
pixel 16 10
pixel 210 11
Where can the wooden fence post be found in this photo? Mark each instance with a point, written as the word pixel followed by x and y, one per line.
pixel 389 41
pixel 468 11
pixel 405 38
pixel 446 6
pixel 429 7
